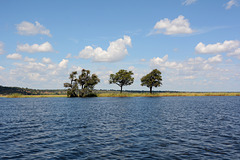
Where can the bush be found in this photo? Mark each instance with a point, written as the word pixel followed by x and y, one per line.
pixel 90 95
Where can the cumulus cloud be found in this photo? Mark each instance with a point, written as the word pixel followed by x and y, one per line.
pixel 231 3
pixel 235 53
pixel 116 51
pixel 194 72
pixel 45 47
pixel 180 25
pixel 186 68
pixel 215 59
pixel 1 68
pixel 1 47
pixel 27 59
pixel 163 63
pixel 63 63
pixel 188 2
pixel 46 60
pixel 36 77
pixel 38 74
pixel 76 68
pixel 27 28
pixel 230 47
pixel 14 56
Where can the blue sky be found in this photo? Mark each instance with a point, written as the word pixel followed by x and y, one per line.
pixel 194 43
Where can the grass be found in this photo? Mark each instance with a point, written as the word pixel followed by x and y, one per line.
pixel 129 94
pixel 168 94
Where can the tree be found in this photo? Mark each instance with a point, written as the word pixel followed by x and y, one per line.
pixel 122 78
pixel 87 83
pixel 152 79
pixel 72 87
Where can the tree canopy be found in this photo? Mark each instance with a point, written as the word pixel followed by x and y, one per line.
pixel 72 87
pixel 122 78
pixel 86 81
pixel 152 79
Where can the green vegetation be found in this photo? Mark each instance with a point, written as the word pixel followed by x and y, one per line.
pixel 26 91
pixel 168 94
pixel 122 78
pixel 16 95
pixel 72 87
pixel 114 93
pixel 86 81
pixel 153 79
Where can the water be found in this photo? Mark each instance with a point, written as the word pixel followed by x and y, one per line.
pixel 120 128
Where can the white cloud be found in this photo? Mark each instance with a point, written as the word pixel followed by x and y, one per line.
pixel 116 51
pixel 143 60
pixel 197 60
pixel 199 73
pixel 27 28
pixel 1 47
pixel 180 25
pixel 46 60
pixel 188 2
pixel 158 61
pixel 63 63
pixel 163 63
pixel 76 68
pixel 1 68
pixel 226 46
pixel 14 56
pixel 189 77
pixel 87 52
pixel 36 77
pixel 45 47
pixel 188 69
pixel 69 55
pixel 207 67
pixel 27 59
pixel 217 58
pixel 231 3
pixel 235 53
pixel 131 68
pixel 37 74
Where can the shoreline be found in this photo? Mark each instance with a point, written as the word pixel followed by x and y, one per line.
pixel 127 94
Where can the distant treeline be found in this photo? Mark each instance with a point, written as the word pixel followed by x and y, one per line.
pixel 26 91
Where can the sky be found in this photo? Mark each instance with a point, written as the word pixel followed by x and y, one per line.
pixel 194 43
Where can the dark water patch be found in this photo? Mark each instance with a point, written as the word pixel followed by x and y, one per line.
pixel 120 128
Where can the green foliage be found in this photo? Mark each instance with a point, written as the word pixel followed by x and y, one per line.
pixel 91 95
pixel 72 90
pixel 86 81
pixel 122 78
pixel 26 91
pixel 153 79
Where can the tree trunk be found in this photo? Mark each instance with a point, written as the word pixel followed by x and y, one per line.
pixel 121 90
pixel 151 90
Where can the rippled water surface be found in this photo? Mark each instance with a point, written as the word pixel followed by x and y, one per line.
pixel 120 128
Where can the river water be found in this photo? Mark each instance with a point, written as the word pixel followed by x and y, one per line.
pixel 120 128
